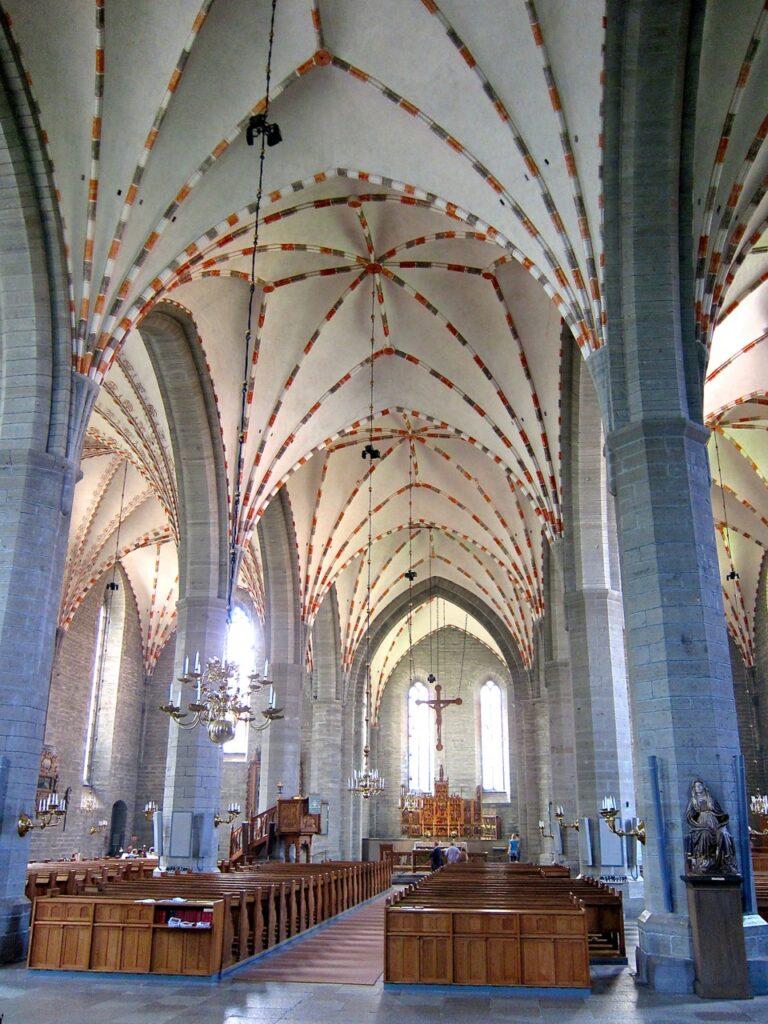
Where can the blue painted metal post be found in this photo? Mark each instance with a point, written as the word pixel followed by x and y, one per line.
pixel 661 836
pixel 745 853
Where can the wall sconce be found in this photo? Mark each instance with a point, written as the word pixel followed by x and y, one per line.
pixel 232 812
pixel 280 788
pixel 50 812
pixel 610 812
pixel 545 835
pixel 150 809
pixel 560 815
pixel 100 826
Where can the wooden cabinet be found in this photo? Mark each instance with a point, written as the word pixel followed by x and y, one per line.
pixel 123 936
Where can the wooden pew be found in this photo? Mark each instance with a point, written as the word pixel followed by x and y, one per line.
pixel 465 942
pixel 71 877
pixel 263 904
pixel 603 905
pixel 502 903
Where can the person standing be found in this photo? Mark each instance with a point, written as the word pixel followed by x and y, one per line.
pixel 514 848
pixel 452 854
pixel 436 857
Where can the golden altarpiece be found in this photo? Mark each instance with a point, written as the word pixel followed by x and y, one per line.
pixel 445 814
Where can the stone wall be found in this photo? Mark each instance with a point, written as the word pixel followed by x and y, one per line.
pixel 154 742
pixel 461 728
pixel 118 741
pixel 760 682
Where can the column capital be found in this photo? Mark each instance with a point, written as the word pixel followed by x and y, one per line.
pixel 196 602
pixel 651 428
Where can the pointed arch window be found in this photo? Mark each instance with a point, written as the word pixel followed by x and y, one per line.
pixel 493 755
pixel 105 681
pixel 240 648
pixel 97 678
pixel 420 741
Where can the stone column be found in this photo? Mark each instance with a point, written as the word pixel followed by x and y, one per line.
pixel 562 744
pixel 650 378
pixel 193 767
pixel 683 709
pixel 534 776
pixel 35 503
pixel 281 742
pixel 601 711
pixel 327 777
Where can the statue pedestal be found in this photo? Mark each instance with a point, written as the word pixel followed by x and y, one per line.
pixel 719 954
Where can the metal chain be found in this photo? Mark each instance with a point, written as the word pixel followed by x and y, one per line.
pixel 241 433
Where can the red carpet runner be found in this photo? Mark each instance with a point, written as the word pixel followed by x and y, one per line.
pixel 346 952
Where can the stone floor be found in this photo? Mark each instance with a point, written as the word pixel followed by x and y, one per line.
pixel 43 998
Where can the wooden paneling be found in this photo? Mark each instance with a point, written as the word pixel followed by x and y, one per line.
pixel 75 947
pixel 123 936
pixel 491 947
pixel 503 960
pixel 45 946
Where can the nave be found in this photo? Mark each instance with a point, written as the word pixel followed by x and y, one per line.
pixel 457 396
pixel 48 998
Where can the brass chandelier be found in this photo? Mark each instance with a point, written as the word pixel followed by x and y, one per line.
pixel 219 703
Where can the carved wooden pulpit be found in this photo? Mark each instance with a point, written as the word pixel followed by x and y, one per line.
pixel 295 825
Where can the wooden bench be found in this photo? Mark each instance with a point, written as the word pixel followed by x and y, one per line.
pixel 498 925
pixel 71 877
pixel 264 904
pixel 461 940
pixel 507 886
pixel 97 934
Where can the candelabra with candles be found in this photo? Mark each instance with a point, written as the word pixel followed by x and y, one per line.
pixel 150 809
pixel 365 782
pixel 100 826
pixel 560 815
pixel 232 812
pixel 219 704
pixel 609 812
pixel 545 835
pixel 50 812
pixel 758 805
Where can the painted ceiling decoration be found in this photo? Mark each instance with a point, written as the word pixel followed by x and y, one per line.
pixel 453 153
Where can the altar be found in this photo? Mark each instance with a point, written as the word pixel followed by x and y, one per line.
pixel 445 814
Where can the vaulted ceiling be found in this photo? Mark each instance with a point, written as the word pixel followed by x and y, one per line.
pixel 437 200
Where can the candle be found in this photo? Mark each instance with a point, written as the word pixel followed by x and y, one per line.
pixel 186 664
pixel 197 661
pixel 170 691
pixel 266 668
pixel 541 824
pixel 272 703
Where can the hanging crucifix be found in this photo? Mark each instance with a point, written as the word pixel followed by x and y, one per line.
pixel 438 704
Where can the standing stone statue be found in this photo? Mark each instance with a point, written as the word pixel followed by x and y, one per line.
pixel 709 848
